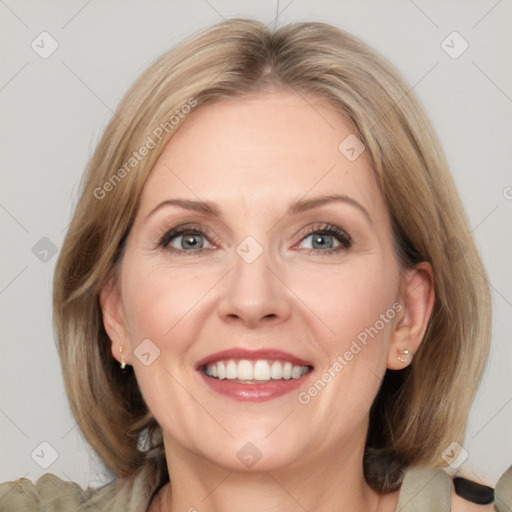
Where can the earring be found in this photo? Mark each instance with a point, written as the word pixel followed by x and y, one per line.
pixel 123 362
pixel 404 356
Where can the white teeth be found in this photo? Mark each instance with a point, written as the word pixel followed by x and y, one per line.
pixel 260 370
pixel 296 372
pixel 287 371
pixel 276 370
pixel 244 370
pixel 231 370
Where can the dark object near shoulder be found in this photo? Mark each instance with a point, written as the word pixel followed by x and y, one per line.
pixel 473 491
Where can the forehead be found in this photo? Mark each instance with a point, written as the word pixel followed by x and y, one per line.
pixel 260 151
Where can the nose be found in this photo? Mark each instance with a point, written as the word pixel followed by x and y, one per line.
pixel 254 294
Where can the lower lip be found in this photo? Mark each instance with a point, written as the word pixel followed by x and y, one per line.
pixel 254 392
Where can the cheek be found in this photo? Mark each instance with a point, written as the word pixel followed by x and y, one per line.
pixel 349 299
pixel 157 298
pixel 355 306
pixel 162 304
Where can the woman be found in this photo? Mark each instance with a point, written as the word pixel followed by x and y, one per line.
pixel 269 243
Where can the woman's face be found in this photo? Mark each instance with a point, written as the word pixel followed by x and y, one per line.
pixel 257 233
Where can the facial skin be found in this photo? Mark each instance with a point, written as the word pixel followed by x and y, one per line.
pixel 252 158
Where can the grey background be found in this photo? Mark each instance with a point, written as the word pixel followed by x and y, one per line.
pixel 53 111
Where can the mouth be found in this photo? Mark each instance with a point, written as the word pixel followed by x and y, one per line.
pixel 254 371
pixel 256 375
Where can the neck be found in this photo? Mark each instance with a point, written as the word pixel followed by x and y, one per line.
pixel 317 484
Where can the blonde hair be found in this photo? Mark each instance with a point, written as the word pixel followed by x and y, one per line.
pixel 418 411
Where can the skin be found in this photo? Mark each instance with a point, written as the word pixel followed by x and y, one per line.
pixel 253 158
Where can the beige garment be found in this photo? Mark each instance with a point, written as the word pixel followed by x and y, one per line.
pixel 423 490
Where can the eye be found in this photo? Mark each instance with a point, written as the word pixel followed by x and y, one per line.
pixel 319 239
pixel 326 239
pixel 185 239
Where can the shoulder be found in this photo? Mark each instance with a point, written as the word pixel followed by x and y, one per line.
pixel 469 496
pixel 50 493
pixel 433 489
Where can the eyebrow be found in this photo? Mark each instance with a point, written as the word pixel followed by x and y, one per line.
pixel 299 206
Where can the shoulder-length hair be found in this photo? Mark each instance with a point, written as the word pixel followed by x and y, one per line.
pixel 418 411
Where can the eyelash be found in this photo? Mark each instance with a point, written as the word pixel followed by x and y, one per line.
pixel 325 229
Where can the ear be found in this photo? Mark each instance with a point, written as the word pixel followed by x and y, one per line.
pixel 113 320
pixel 417 298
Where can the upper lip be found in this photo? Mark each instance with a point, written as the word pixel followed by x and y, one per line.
pixel 243 353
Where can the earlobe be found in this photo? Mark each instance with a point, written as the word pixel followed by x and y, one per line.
pixel 113 320
pixel 417 297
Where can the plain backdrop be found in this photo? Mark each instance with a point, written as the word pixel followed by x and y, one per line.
pixel 54 107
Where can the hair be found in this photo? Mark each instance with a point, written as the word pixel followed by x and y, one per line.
pixel 418 411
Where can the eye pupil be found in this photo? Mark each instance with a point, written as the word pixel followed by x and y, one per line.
pixel 190 241
pixel 320 240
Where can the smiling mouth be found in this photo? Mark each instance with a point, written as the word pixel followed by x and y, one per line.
pixel 245 371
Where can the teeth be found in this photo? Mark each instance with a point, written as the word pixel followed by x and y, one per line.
pixel 222 370
pixel 287 371
pixel 276 370
pixel 260 370
pixel 296 372
pixel 244 370
pixel 231 370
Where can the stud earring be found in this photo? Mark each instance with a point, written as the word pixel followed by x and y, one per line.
pixel 404 356
pixel 123 362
